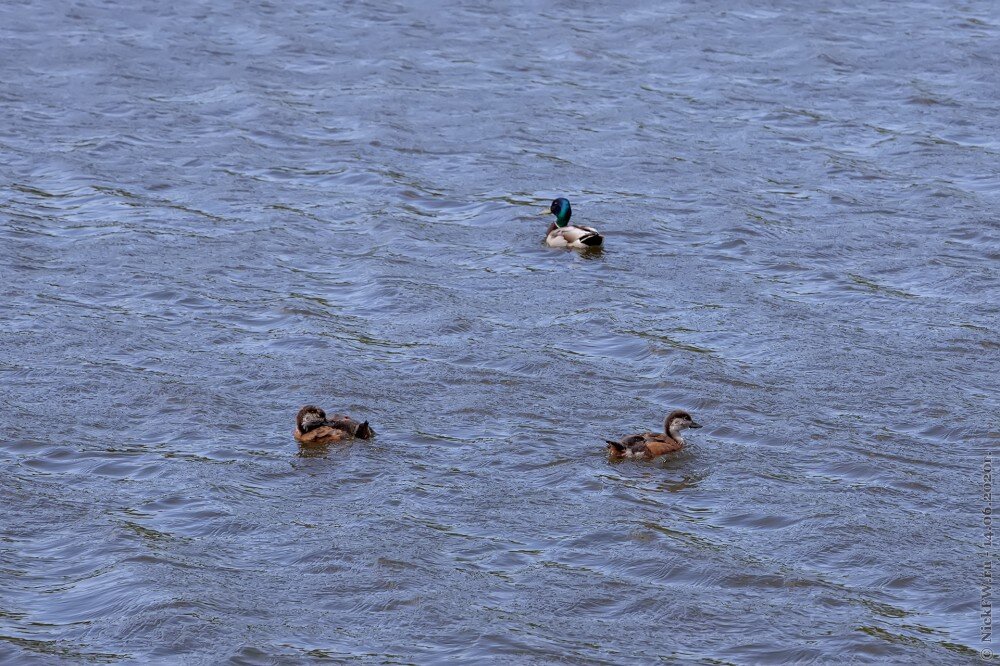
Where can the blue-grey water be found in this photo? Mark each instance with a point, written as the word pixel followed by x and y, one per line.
pixel 212 213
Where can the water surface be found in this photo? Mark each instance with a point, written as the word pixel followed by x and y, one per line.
pixel 211 214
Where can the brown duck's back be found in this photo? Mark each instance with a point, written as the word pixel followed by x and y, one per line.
pixel 321 436
pixel 354 428
pixel 658 444
pixel 648 445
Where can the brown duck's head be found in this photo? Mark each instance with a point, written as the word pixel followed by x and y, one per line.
pixel 310 418
pixel 678 421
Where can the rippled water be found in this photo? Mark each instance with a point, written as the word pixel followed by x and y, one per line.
pixel 213 213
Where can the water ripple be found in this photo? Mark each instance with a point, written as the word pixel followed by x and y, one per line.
pixel 212 215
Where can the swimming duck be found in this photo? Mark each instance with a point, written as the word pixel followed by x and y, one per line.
pixel 649 445
pixel 313 428
pixel 562 234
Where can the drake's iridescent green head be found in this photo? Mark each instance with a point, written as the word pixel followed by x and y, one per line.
pixel 560 208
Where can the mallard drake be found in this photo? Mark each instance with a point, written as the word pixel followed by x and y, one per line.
pixel 313 428
pixel 562 234
pixel 649 445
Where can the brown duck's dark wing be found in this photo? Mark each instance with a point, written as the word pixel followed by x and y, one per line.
pixel 634 440
pixel 359 429
pixel 633 445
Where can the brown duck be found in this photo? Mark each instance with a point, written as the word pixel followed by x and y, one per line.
pixel 313 428
pixel 649 445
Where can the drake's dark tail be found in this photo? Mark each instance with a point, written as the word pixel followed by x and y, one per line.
pixel 593 240
pixel 615 447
